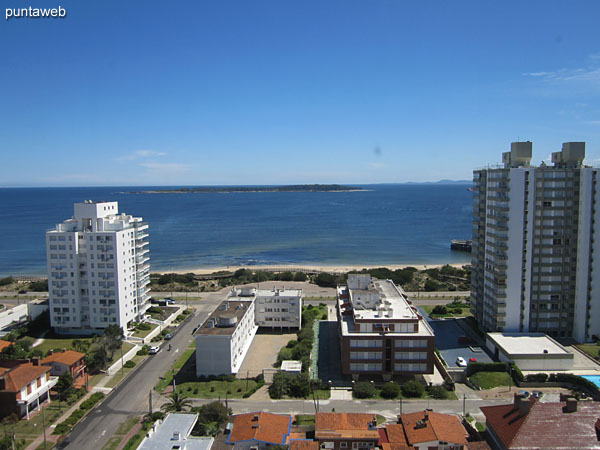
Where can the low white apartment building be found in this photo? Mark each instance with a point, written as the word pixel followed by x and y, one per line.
pixel 98 269
pixel 224 339
pixel 278 308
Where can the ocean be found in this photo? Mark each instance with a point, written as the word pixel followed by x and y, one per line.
pixel 385 224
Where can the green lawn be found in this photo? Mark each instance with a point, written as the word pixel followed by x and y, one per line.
pixel 305 419
pixel 215 389
pixel 57 344
pixel 429 308
pixel 144 333
pixel 125 427
pixel 489 380
pixel 168 377
pixel 590 349
pixel 117 376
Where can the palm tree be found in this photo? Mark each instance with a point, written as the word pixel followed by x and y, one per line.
pixel 177 402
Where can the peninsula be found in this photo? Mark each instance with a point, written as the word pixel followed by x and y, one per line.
pixel 234 189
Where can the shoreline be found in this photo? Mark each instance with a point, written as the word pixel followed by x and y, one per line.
pixel 337 268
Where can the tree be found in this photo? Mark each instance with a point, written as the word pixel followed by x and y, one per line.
pixel 280 385
pixel 413 389
pixel 177 402
pixel 364 389
pixel 97 358
pixel 213 412
pixel 286 276
pixel 206 429
pixel 299 385
pixel 64 385
pixel 440 309
pixel 300 276
pixel 112 338
pixel 390 390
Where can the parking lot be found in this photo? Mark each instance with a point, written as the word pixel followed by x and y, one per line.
pixel 447 333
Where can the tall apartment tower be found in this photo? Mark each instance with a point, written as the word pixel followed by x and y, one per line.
pixel 98 269
pixel 536 248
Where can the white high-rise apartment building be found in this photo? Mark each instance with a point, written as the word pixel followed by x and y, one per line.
pixel 98 269
pixel 536 248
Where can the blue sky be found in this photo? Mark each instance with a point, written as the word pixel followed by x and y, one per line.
pixel 272 92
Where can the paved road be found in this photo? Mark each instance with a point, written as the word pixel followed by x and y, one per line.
pixel 131 396
pixel 388 409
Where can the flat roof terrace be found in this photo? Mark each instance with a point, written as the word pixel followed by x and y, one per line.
pixel 527 344
pixel 391 303
pixel 225 319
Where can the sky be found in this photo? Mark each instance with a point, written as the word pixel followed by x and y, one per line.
pixel 145 92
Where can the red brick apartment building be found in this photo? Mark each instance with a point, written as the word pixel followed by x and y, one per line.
pixel 381 333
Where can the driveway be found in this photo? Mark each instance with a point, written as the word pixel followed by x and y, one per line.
pixel 446 340
pixel 263 353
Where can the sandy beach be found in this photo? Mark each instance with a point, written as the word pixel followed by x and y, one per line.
pixel 309 268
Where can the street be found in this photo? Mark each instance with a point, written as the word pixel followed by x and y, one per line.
pixel 132 395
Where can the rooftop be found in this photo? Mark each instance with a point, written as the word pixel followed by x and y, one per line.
pixel 546 425
pixel 280 292
pixel 68 357
pixel 260 426
pixel 4 344
pixel 16 378
pixel 426 426
pixel 291 366
pixel 174 431
pixel 377 300
pixel 346 425
pixel 225 318
pixel 527 344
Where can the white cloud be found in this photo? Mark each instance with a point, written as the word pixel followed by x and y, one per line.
pixel 165 168
pixel 591 75
pixel 141 154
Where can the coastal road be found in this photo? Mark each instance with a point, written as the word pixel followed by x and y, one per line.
pixel 131 396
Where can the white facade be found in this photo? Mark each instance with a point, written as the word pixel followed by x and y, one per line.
pixel 534 236
pixel 279 308
pixel 225 337
pixel 98 269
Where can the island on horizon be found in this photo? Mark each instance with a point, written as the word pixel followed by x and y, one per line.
pixel 234 189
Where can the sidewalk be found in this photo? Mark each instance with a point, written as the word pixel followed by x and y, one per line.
pixel 54 437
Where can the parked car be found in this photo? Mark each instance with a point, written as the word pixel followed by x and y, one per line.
pixel 460 362
pixel 23 291
pixel 465 340
pixel 472 360
pixel 195 329
pixel 169 300
pixel 525 393
pixel 168 336
pixel 154 350
pixel 537 394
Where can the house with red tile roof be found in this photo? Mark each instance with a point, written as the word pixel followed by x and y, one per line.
pixel 346 431
pixel 428 430
pixel 4 344
pixel 24 387
pixel 259 430
pixel 65 361
pixel 303 444
pixel 529 424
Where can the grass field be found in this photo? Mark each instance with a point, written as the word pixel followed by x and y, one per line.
pixel 118 377
pixel 216 389
pixel 144 333
pixel 465 312
pixel 168 377
pixel 125 427
pixel 489 380
pixel 590 349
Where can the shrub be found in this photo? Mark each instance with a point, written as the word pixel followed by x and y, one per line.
pixel 390 390
pixel 129 364
pixel 291 344
pixel 364 389
pixel 439 309
pixel 537 377
pixel 475 367
pixel 143 326
pixel 300 276
pixel 437 392
pixel 413 389
pixel 6 281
